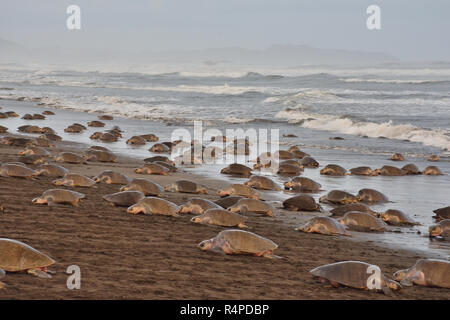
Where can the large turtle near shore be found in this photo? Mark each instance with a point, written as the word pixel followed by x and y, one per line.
pixel 185 186
pixel 262 183
pixel 442 213
pixel 221 217
pixel 426 272
pixel 397 218
pixel 302 184
pixel 112 177
pixel 361 221
pixel 244 205
pixel 124 198
pixel 355 274
pixel 237 169
pixel 239 190
pixel 147 187
pixel 301 203
pixel 198 206
pixel 59 196
pixel 240 242
pixel 338 197
pixel 74 180
pixel 361 207
pixel 17 171
pixel 16 256
pixel 323 225
pixel 333 170
pixel 153 205
pixel 371 196
pixel 441 229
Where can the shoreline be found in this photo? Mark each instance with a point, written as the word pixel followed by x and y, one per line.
pixel 151 257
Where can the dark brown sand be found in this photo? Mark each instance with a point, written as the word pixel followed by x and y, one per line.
pixel 122 256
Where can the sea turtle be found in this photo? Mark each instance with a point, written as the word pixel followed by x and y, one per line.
pixel 48 113
pixel 96 135
pixel 101 156
pixel 11 114
pixel 152 168
pixel 262 183
pixel 292 162
pixel 198 206
pixel 355 274
pixel 371 196
pixel 237 169
pixel 185 186
pixel 411 169
pixel 124 198
pixel 309 162
pixel 323 225
pixel 338 197
pixel 283 155
pixel 150 137
pixel 363 171
pixel 390 171
pixel 239 190
pixel 396 218
pixel 302 184
pixel 301 203
pixel 16 256
pixel 62 196
pixel 73 129
pixel 221 217
pixel 440 228
pixel 145 186
pixel 95 123
pixel 228 201
pixel 108 137
pixel 17 171
pixel 433 158
pixel 166 165
pixel 245 205
pixel 32 159
pixel 74 180
pixel 397 157
pixel 3 129
pixel 361 221
pixel 52 170
pixel 298 154
pixel 432 171
pixel 240 242
pixel 51 136
pixel 289 169
pixel 43 142
pixel 137 140
pixel 19 142
pixel 33 150
pixel 333 170
pixel 112 177
pixel 101 148
pixel 159 148
pixel 426 272
pixel 361 207
pixel 153 205
pixel 47 130
pixel 70 157
pixel 105 117
pixel 442 213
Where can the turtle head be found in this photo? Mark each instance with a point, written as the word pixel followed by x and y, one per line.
pixel 205 245
pixel 196 219
pixel 288 185
pixel 435 230
pixel 223 193
pixel 125 188
pixel 186 209
pixel 135 209
pixel 38 200
pixel 400 275
pixel 393 285
pixel 138 170
pixel 59 182
pixel 384 216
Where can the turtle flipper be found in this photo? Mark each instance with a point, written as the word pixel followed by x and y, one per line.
pixel 2 285
pixel 39 273
pixel 408 281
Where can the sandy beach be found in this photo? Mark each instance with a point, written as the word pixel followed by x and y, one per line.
pixel 122 256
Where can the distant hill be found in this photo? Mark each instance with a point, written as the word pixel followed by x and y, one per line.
pixel 286 55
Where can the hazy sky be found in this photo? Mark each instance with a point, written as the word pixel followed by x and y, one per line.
pixel 411 29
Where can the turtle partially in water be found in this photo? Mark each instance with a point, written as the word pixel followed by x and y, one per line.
pixel 371 196
pixel 16 256
pixel 302 184
pixel 432 171
pixel 442 213
pixel 397 218
pixel 355 274
pixel 262 183
pixel 333 170
pixel 361 221
pixel 339 197
pixel 240 242
pixel 441 229
pixel 426 272
pixel 301 203
pixel 237 169
pixel 323 225
pixel 363 171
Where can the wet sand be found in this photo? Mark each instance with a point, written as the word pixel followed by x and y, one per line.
pixel 122 256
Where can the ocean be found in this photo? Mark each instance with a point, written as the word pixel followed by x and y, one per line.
pixel 377 110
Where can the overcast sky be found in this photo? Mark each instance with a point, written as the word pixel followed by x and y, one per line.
pixel 411 29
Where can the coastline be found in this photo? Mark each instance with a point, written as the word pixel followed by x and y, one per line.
pixel 152 257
